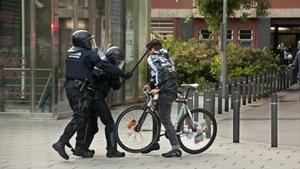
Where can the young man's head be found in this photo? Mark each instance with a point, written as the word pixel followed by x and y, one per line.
pixel 154 45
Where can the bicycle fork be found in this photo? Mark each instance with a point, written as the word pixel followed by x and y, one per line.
pixel 141 121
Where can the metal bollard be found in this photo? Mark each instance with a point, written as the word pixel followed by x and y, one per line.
pixel 254 87
pixel 191 99
pixel 262 85
pixel 258 85
pixel 196 98
pixel 288 81
pixel 249 89
pixel 270 83
pixel 226 106
pixel 274 121
pixel 233 82
pixel 273 81
pixel 236 118
pixel 220 100
pixel 244 87
pixel 266 84
pixel 213 99
pixel 207 99
pixel 196 103
pixel 278 80
pixel 238 86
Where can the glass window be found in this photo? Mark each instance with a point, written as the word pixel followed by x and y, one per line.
pixel 15 78
pixel 245 38
pixel 205 34
pixel 66 4
pixel 229 35
pixel 130 49
pixel 43 77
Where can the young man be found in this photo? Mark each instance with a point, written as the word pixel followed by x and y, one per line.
pixel 163 83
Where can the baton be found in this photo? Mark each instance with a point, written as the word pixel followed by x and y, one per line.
pixel 137 64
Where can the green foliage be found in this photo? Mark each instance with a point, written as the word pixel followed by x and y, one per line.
pixel 197 62
pixel 193 60
pixel 212 10
pixel 245 62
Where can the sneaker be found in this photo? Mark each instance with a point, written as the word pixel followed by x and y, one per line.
pixel 172 153
pixel 59 147
pixel 155 146
pixel 115 154
pixel 83 152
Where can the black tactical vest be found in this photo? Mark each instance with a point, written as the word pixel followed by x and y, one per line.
pixel 76 65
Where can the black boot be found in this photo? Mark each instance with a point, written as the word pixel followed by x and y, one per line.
pixel 155 146
pixel 112 151
pixel 60 148
pixel 82 152
pixel 114 154
pixel 173 153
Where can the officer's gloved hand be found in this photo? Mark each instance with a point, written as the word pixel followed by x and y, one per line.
pixel 126 75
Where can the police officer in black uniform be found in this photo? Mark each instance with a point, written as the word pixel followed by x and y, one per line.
pixel 103 83
pixel 80 63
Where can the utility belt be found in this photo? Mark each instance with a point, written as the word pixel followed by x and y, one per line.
pixel 88 92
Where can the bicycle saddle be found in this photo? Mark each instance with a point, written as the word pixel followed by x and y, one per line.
pixel 193 85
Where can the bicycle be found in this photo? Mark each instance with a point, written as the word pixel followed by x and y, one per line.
pixel 139 127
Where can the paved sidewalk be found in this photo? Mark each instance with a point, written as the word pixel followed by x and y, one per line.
pixel 26 143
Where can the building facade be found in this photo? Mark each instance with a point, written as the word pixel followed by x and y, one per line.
pixel 36 34
pixel 281 25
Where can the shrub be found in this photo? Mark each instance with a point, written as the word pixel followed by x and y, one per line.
pixel 200 62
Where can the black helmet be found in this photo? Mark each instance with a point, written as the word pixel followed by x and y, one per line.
pixel 115 56
pixel 83 39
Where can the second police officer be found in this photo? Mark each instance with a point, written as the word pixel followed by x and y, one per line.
pixel 103 83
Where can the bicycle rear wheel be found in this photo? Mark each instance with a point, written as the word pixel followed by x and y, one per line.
pixel 131 140
pixel 199 137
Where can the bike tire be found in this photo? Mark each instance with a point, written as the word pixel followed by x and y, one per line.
pixel 191 142
pixel 123 130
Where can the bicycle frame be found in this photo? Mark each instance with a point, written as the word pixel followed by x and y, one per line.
pixel 183 110
pixel 147 108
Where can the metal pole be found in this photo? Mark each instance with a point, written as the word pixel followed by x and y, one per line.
pixel 278 80
pixel 238 86
pixel 236 118
pixel 232 85
pixel 213 99
pixel 196 103
pixel 244 79
pixel 206 99
pixel 32 54
pixel 258 86
pixel 249 89
pixel 226 103
pixel 274 121
pixel 254 87
pixel 23 73
pixel 220 98
pixel 223 48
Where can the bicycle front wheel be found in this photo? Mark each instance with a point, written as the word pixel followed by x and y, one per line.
pixel 137 141
pixel 196 137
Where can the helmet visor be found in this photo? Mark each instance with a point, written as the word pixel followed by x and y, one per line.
pixel 120 63
pixel 92 42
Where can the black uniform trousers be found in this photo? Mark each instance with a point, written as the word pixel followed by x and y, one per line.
pixel 79 119
pixel 100 107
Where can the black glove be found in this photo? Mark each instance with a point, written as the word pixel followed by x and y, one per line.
pixel 126 75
